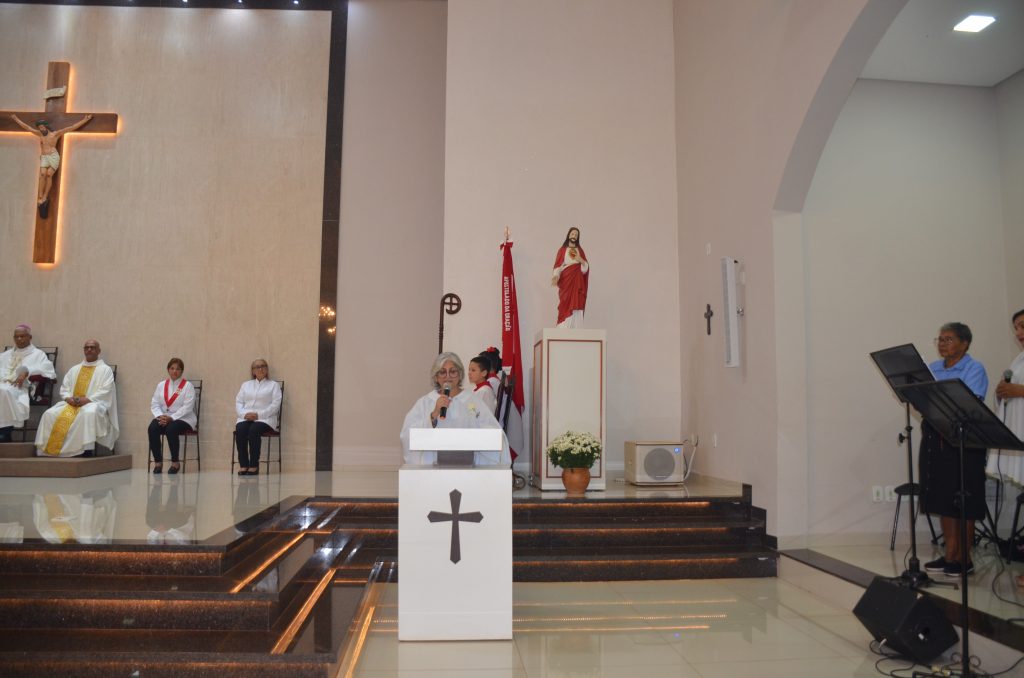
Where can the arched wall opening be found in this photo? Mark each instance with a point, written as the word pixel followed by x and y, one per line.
pixel 897 220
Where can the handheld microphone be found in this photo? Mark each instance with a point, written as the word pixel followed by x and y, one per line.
pixel 1007 378
pixel 447 391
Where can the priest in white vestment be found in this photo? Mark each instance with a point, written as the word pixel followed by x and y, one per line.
pixel 16 366
pixel 87 413
pixel 462 409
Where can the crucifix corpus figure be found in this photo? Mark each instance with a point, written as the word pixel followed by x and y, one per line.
pixel 571 275
pixel 49 156
pixel 51 125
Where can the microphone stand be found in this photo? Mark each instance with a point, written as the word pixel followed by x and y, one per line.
pixel 963 420
pixel 965 553
pixel 902 366
pixel 913 576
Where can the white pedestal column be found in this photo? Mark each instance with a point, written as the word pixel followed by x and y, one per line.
pixel 454 553
pixel 568 381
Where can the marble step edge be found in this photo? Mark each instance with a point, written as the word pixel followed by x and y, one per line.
pixel 200 665
pixel 644 553
pixel 94 559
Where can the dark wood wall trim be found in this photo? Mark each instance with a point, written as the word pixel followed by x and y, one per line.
pixel 329 241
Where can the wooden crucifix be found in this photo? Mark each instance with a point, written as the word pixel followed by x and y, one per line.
pixel 50 126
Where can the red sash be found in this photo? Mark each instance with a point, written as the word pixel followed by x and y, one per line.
pixel 168 398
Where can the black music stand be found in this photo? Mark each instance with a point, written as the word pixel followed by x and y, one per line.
pixel 902 365
pixel 963 420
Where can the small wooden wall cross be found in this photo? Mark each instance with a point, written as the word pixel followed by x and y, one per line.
pixel 59 123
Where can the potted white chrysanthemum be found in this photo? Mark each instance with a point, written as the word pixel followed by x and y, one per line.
pixel 575 453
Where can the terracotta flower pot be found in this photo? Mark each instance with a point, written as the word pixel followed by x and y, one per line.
pixel 576 481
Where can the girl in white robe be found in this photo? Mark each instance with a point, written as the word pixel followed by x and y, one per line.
pixel 479 367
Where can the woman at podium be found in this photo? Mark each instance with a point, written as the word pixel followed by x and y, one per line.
pixel 447 405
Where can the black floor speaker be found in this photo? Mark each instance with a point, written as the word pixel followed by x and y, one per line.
pixel 908 621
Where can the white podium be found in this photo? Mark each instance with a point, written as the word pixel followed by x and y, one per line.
pixel 454 550
pixel 569 368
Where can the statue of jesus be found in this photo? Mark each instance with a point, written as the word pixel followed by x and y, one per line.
pixel 49 158
pixel 571 275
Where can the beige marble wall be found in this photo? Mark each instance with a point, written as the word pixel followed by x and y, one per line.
pixel 746 74
pixel 392 223
pixel 561 113
pixel 195 231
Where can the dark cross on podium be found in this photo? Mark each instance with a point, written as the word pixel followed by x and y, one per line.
pixel 707 316
pixel 455 517
pixel 58 79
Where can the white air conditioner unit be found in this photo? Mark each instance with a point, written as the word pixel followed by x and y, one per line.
pixel 655 463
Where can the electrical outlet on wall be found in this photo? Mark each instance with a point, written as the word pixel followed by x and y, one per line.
pixel 877 493
pixel 890 493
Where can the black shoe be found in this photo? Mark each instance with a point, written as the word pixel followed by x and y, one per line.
pixel 175 467
pixel 158 469
pixel 89 453
pixel 938 565
pixel 44 209
pixel 953 569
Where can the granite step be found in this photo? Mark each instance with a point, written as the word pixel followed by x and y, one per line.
pixel 262 597
pixel 297 644
pixel 273 583
pixel 628 510
pixel 602 535
pixel 531 510
pixel 138 559
pixel 624 565
pixel 165 665
pixel 130 610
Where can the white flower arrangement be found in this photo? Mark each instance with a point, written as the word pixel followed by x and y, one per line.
pixel 573 449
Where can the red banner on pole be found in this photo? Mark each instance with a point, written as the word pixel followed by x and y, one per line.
pixel 511 354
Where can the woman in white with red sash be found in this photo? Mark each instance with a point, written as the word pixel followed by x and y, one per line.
pixel 174 412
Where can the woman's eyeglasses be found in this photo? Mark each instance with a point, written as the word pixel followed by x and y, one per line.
pixel 451 373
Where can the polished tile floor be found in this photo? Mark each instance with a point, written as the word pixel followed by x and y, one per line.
pixel 728 628
pixel 698 628
pixel 992 588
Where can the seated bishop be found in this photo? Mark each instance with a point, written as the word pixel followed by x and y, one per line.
pixel 16 366
pixel 87 413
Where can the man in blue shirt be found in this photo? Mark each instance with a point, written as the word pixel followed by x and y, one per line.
pixel 939 460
